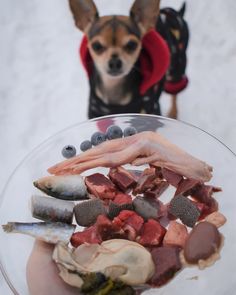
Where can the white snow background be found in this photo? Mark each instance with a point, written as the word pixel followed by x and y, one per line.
pixel 43 87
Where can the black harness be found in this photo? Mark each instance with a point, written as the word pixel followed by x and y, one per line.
pixel 147 104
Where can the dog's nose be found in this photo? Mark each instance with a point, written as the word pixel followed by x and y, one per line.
pixel 115 64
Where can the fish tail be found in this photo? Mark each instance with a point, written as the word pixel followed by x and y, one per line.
pixel 9 227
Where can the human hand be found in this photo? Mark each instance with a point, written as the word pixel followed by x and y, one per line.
pixel 143 148
pixel 42 273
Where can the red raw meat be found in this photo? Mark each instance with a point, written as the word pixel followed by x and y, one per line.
pixel 159 187
pixel 129 218
pixel 165 215
pixel 130 232
pixel 145 181
pixel 167 263
pixel 203 193
pixel 202 190
pixel 185 187
pixel 125 226
pixel 171 177
pixel 100 186
pixel 106 229
pixel 89 235
pixel 152 233
pixel 122 178
pixel 122 198
pixel 136 174
pixel 204 209
pixel 176 235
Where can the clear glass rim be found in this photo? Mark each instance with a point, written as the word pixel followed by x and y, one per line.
pixel 8 281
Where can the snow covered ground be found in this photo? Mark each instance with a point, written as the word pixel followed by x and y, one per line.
pixel 44 89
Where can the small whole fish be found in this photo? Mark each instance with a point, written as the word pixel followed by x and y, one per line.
pixel 50 209
pixel 67 187
pixel 50 232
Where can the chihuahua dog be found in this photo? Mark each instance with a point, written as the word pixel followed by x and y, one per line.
pixel 127 60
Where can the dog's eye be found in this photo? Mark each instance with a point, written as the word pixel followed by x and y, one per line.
pixel 131 46
pixel 98 47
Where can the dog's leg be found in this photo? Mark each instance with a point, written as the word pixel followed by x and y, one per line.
pixel 173 112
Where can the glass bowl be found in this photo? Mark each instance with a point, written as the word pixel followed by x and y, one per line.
pixel 218 279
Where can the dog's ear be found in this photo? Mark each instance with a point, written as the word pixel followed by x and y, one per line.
pixel 182 9
pixel 145 13
pixel 85 13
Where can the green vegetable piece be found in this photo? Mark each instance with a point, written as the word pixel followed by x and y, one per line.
pixel 98 284
pixel 122 289
pixel 92 281
pixel 106 290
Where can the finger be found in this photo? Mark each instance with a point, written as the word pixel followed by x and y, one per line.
pixel 108 160
pixel 81 167
pixel 86 156
pixel 106 147
pixel 144 160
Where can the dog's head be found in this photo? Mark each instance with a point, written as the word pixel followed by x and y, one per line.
pixel 114 42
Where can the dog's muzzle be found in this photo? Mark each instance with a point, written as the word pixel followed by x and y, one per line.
pixel 115 66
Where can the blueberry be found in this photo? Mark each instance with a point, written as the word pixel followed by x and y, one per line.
pixel 129 131
pixel 114 132
pixel 85 145
pixel 97 138
pixel 68 151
